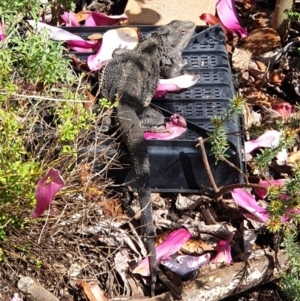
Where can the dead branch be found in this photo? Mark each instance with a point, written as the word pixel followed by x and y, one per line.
pixel 34 290
pixel 229 280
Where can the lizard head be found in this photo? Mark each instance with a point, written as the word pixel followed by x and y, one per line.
pixel 175 36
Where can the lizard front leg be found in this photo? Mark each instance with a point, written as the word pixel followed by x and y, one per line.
pixel 151 120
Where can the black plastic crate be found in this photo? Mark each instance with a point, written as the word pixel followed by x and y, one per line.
pixel 176 165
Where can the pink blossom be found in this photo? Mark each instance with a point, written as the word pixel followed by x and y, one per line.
pixel 228 15
pixel 175 84
pixel 283 108
pixel 70 19
pixel 46 189
pixel 184 264
pixel 223 252
pixel 174 241
pixel 75 42
pixel 248 202
pixel 93 19
pixel 100 19
pixel 175 127
pixel 111 40
pixel 212 20
pixel 2 34
pixel 270 138
pixel 262 193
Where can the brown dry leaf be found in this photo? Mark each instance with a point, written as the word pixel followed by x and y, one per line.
pixel 250 118
pixel 84 172
pixel 93 192
pixel 257 69
pixel 262 40
pixel 82 15
pixel 240 59
pixel 98 292
pixel 95 36
pixel 276 77
pixel 91 98
pixel 268 114
pixel 260 20
pixel 293 157
pixel 112 207
pixel 196 247
pixel 257 97
pixel 161 237
pixel 87 290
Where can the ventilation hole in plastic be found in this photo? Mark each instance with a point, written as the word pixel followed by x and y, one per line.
pixel 199 109
pixel 198 93
pixel 194 62
pixel 217 93
pixel 205 76
pixel 189 110
pixel 213 60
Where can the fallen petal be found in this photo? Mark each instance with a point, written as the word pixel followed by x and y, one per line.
pixel 212 20
pixel 59 34
pixel 270 138
pixel 228 15
pixel 175 84
pixel 174 241
pixel 84 46
pixel 262 193
pixel 184 264
pixel 100 19
pixel 223 252
pixel 112 39
pixel 176 127
pixel 2 34
pixel 46 189
pixel 248 202
pixel 70 19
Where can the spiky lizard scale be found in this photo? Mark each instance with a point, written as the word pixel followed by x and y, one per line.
pixel 132 76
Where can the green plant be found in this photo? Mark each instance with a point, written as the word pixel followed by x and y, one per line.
pixel 35 72
pixel 290 281
pixel 218 138
pixel 292 15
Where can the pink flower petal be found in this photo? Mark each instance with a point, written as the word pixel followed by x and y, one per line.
pixel 228 15
pixel 111 40
pixel 223 252
pixel 270 138
pixel 184 264
pixel 247 201
pixel 175 84
pixel 261 193
pixel 46 189
pixel 176 127
pixel 2 34
pixel 70 19
pixel 174 241
pixel 283 108
pixel 59 34
pixel 84 46
pixel 212 20
pixel 100 19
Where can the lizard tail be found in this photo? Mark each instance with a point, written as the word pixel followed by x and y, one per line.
pixel 133 137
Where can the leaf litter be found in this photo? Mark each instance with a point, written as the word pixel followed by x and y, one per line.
pixel 92 241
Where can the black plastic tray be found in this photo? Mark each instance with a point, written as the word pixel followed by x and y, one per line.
pixel 176 165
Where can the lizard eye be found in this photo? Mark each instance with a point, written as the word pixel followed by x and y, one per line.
pixel 183 31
